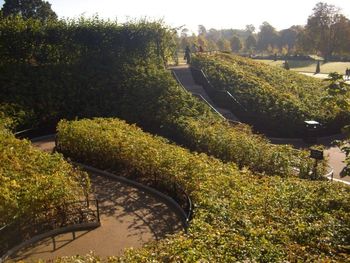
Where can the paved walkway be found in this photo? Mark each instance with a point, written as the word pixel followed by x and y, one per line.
pixel 336 157
pixel 321 76
pixel 129 218
pixel 185 77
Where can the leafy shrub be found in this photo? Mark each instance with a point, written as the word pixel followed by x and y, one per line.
pixel 239 145
pixel 32 181
pixel 103 70
pixel 175 114
pixel 238 216
pixel 277 101
pixel 75 67
pixel 13 117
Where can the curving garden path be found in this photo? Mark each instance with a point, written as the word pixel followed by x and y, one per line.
pixel 129 218
pixel 336 157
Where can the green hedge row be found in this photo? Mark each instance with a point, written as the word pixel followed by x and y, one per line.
pixel 277 101
pixel 111 74
pixel 71 68
pixel 239 145
pixel 30 41
pixel 32 181
pixel 238 216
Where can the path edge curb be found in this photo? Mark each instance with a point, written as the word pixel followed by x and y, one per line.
pixel 167 199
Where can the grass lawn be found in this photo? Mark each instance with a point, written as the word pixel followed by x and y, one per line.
pixel 310 65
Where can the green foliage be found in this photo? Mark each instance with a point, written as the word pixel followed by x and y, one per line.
pixel 277 101
pixel 239 145
pixel 104 69
pixel 326 31
pixel 36 9
pixel 32 181
pixel 238 216
pixel 339 96
pixel 75 68
pixel 236 44
pixel 13 117
pixel 345 147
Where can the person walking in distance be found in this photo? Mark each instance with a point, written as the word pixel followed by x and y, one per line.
pixel 187 56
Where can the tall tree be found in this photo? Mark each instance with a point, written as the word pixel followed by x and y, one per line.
pixel 267 37
pixel 325 29
pixel 250 43
pixel 223 44
pixel 36 9
pixel 236 44
pixel 288 38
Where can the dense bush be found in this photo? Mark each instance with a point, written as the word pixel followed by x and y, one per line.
pixel 156 103
pixel 13 116
pixel 276 101
pixel 237 216
pixel 100 69
pixel 32 181
pixel 239 145
pixel 75 68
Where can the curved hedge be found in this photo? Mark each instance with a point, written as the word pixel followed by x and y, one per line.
pixel 237 217
pixel 277 101
pixel 93 68
pixel 32 181
pixel 239 145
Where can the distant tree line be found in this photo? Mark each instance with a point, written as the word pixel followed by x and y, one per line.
pixel 327 34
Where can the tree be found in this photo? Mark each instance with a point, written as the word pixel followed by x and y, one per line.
pixel 250 43
pixel 202 30
pixel 236 44
pixel 326 29
pixel 202 41
pixel 250 29
pixel 288 38
pixel 36 9
pixel 267 36
pixel 223 44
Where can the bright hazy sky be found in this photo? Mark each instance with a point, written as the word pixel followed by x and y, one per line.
pixel 217 14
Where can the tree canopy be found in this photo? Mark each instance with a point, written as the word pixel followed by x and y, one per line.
pixel 326 31
pixel 37 9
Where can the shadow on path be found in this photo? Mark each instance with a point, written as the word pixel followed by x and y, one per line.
pixel 129 218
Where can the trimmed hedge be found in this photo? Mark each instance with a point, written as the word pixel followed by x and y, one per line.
pixel 277 101
pixel 32 181
pixel 70 68
pixel 238 216
pixel 239 145
pixel 109 70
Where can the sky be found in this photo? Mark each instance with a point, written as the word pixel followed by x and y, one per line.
pixel 219 14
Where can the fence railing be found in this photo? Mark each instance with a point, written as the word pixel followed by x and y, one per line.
pixel 199 96
pixel 177 193
pixel 78 214
pixel 221 98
